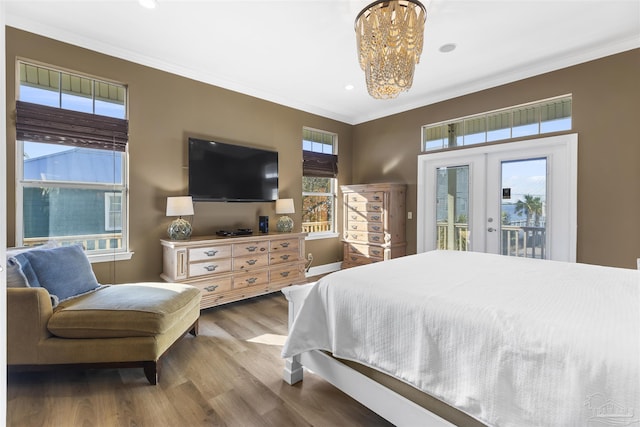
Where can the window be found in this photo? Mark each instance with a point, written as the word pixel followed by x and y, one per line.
pixel 72 161
pixel 113 211
pixel 551 115
pixel 319 182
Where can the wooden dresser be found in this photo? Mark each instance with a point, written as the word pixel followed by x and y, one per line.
pixel 229 269
pixel 374 223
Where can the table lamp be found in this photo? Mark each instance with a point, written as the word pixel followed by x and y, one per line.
pixel 179 229
pixel 285 223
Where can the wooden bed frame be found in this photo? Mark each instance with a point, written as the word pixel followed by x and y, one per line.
pixel 388 404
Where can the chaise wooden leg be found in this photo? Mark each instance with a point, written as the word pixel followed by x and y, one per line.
pixel 152 371
pixel 194 329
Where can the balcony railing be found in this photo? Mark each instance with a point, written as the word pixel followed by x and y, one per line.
pixel 456 239
pixel 519 241
pixel 90 242
pixel 316 226
pixel 528 242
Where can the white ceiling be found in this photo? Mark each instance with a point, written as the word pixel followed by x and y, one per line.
pixel 302 53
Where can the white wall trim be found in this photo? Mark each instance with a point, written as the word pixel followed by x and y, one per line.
pixel 324 269
pixel 3 214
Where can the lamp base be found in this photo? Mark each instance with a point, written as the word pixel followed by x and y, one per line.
pixel 179 229
pixel 285 224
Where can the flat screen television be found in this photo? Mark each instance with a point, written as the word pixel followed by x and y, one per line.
pixel 221 172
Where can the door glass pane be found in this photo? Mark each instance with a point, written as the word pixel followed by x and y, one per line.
pixel 523 213
pixel 452 208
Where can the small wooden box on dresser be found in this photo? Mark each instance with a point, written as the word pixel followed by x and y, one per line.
pixel 374 223
pixel 228 269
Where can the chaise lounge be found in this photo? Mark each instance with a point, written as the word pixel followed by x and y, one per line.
pixel 116 326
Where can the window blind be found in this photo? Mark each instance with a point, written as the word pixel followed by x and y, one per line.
pixel 319 164
pixel 41 123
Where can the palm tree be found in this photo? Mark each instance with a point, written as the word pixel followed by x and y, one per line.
pixel 532 207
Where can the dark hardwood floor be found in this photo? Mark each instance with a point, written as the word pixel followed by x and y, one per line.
pixel 229 375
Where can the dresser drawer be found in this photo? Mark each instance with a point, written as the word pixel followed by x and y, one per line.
pixel 251 278
pixel 354 249
pixel 246 263
pixel 372 227
pixel 365 207
pixel 248 248
pixel 364 216
pixel 285 245
pixel 289 274
pixel 213 285
pixel 377 196
pixel 354 260
pixel 209 267
pixel 284 256
pixel 362 236
pixel 209 252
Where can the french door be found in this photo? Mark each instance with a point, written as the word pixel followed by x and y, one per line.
pixel 515 199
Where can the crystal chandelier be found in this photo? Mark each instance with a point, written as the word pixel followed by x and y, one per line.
pixel 389 36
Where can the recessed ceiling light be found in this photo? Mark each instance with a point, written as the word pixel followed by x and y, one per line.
pixel 446 48
pixel 149 4
pixel 349 87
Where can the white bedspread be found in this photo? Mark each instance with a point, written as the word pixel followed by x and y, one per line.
pixel 509 341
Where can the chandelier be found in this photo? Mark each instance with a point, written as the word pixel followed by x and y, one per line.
pixel 389 36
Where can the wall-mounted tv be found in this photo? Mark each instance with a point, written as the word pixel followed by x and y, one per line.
pixel 222 172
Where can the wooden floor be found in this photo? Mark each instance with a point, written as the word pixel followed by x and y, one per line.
pixel 229 375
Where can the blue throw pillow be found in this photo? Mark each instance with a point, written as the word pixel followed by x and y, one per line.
pixel 63 271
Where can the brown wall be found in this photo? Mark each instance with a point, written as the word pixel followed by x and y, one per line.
pixel 164 110
pixel 606 110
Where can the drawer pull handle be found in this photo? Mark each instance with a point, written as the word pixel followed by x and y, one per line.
pixel 353 258
pixel 251 280
pixel 211 288
pixel 251 248
pixel 263 249
pixel 251 261
pixel 354 227
pixel 375 252
pixel 354 236
pixel 375 218
pixel 375 238
pixel 211 252
pixel 376 207
pixel 284 244
pixel 376 227
pixel 284 274
pixel 376 198
pixel 284 257
pixel 211 267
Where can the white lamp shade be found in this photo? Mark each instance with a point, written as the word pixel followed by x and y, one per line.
pixel 284 206
pixel 178 206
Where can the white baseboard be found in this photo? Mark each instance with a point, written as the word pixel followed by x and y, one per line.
pixel 324 269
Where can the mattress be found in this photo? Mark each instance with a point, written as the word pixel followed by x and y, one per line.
pixel 508 341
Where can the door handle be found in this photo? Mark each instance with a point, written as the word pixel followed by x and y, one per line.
pixel 491 229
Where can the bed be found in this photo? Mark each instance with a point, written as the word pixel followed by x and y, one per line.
pixel 493 340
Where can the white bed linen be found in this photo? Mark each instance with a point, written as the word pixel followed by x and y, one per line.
pixel 509 341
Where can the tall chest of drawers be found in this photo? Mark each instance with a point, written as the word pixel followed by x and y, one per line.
pixel 374 223
pixel 228 269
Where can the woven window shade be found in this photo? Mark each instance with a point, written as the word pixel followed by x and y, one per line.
pixel 319 164
pixel 40 123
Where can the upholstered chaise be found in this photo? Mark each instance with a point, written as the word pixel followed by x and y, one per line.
pixel 128 325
